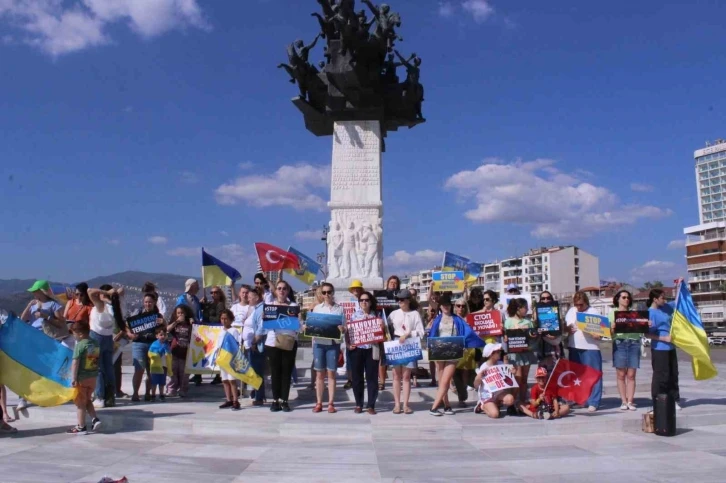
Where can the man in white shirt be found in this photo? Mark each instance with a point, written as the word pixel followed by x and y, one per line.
pixel 241 308
pixel 584 348
pixel 325 351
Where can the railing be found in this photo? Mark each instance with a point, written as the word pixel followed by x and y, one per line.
pixel 707 278
pixel 695 239
pixel 700 266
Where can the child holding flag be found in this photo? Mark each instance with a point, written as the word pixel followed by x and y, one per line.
pixel 226 317
pixel 543 404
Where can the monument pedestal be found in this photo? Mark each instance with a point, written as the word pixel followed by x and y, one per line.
pixel 355 239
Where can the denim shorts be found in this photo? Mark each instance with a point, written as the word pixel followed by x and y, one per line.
pixel 626 354
pixel 140 355
pixel 325 357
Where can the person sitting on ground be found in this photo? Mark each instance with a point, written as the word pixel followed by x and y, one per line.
pixel 543 405
pixel 84 371
pixel 490 403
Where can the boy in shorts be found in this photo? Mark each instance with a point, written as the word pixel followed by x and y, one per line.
pixel 84 372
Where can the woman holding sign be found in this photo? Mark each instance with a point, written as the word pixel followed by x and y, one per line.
pixel 406 323
pixel 449 325
pixel 364 358
pixel 140 343
pixel 584 347
pixel 521 360
pixel 626 353
pixel 325 352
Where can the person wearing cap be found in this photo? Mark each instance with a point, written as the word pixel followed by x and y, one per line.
pixel 489 403
pixel 543 405
pixel 44 312
pixel 189 297
pixel 406 323
pixel 449 325
pixel 513 289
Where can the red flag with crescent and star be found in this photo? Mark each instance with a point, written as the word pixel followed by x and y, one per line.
pixel 572 381
pixel 273 258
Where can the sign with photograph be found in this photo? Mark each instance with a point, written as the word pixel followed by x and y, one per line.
pixel 447 281
pixel 365 331
pixel 632 322
pixel 324 326
pixel 398 354
pixel 487 323
pixel 445 348
pixel 548 318
pixel 593 324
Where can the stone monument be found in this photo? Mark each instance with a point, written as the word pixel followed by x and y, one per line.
pixel 357 97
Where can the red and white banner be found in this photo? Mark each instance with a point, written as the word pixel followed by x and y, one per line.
pixel 273 258
pixel 365 331
pixel 572 381
pixel 485 323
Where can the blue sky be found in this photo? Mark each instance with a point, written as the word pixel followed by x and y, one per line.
pixel 562 122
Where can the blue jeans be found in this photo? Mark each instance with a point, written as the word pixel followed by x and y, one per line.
pixel 325 357
pixel 626 354
pixel 257 361
pixel 592 358
pixel 106 376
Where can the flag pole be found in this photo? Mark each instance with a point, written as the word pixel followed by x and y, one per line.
pixel 204 285
pixel 550 376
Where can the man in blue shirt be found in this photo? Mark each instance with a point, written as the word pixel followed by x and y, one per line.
pixel 664 360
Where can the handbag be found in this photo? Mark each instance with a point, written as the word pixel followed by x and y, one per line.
pixel 284 342
pixel 341 359
pixel 649 423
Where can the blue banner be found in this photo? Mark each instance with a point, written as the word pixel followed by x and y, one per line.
pixel 283 322
pixel 143 323
pixel 398 354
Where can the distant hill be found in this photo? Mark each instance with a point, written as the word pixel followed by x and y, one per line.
pixel 14 296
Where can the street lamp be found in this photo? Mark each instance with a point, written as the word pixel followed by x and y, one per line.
pixel 322 256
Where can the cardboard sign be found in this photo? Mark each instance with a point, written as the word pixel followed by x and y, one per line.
pixel 324 326
pixel 548 318
pixel 365 331
pixel 398 354
pixel 632 322
pixel 445 348
pixel 593 324
pixel 517 340
pixel 143 324
pixel 385 299
pixel 447 281
pixel 485 323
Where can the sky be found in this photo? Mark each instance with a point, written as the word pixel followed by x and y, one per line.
pixel 134 132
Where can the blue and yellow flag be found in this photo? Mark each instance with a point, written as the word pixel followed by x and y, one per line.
pixel 688 334
pixel 456 263
pixel 62 292
pixel 231 359
pixel 216 272
pixel 33 365
pixel 308 271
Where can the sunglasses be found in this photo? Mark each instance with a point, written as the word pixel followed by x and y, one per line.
pixel 546 299
pixel 625 297
pixel 459 306
pixel 327 292
pixel 487 299
pixel 364 300
pixel 284 289
pixel 216 292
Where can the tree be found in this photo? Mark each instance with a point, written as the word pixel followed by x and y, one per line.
pixel 652 285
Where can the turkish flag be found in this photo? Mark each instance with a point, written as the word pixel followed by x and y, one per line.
pixel 572 381
pixel 273 258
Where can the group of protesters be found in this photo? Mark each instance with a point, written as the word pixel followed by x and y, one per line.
pixel 93 324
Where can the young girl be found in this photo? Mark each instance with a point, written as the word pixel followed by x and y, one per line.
pixel 542 405
pixel 517 311
pixel 489 403
pixel 226 317
pixel 159 362
pixel 406 324
pixel 180 330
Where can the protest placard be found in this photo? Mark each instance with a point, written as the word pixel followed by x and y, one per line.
pixel 517 340
pixel 143 324
pixel 548 318
pixel 487 323
pixel 398 354
pixel 324 326
pixel 445 348
pixel 272 312
pixel 499 378
pixel 200 356
pixel 632 322
pixel 593 324
pixel 365 331
pixel 447 281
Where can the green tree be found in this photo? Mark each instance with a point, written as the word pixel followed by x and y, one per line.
pixel 652 285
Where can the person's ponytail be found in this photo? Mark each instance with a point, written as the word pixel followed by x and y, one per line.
pixel 654 294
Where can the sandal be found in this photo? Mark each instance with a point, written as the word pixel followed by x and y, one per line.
pixel 381 386
pixel 331 409
pixel 318 408
pixel 408 410
pixel 396 410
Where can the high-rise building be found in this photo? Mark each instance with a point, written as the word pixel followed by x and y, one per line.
pixel 706 242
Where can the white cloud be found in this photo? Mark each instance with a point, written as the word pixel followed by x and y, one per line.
pixel 158 240
pixel 653 270
pixel 408 262
pixel 641 187
pixel 185 252
pixel 309 235
pixel 60 27
pixel 299 187
pixel 480 10
pixel 676 244
pixel 536 193
pixel 446 9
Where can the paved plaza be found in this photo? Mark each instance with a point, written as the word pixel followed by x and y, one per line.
pixel 193 441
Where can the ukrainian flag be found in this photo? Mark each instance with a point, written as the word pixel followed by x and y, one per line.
pixel 231 359
pixel 687 333
pixel 33 365
pixel 308 271
pixel 216 272
pixel 456 263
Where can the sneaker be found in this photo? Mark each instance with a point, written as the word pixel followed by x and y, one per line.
pixel 591 409
pixel 162 397
pixel 678 406
pixel 236 406
pixel 227 404
pixel 285 407
pixel 632 407
pixel 624 407
pixel 435 412
pixel 77 430
pixel 347 385
pixel 275 407
pixel 470 388
pixel 95 424
pixel 448 411
pixel 99 403
pixel 23 404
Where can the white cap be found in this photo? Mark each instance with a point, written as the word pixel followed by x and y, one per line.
pixel 489 348
pixel 512 286
pixel 188 284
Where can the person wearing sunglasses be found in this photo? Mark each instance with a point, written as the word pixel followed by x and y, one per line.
pixel 551 348
pixel 364 358
pixel 626 353
pixel 406 324
pixel 78 309
pixel 325 352
pixel 584 347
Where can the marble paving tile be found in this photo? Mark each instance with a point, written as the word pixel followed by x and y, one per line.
pixel 215 451
pixel 14 471
pixel 543 452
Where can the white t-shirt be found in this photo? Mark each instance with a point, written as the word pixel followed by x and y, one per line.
pixel 327 309
pixel 406 323
pixel 270 339
pixel 581 340
pixel 240 314
pixel 102 323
